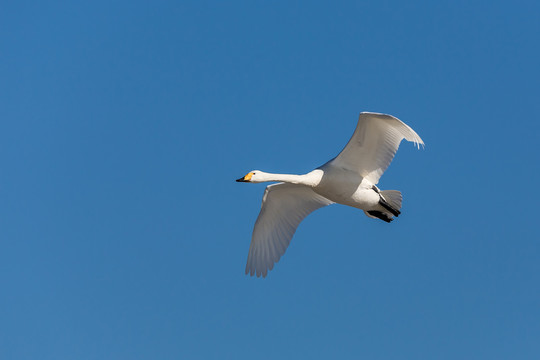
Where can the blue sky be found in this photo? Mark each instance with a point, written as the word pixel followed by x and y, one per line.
pixel 124 125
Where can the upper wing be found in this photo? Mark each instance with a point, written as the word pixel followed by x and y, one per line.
pixel 374 144
pixel 284 206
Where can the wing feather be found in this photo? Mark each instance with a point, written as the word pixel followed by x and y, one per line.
pixel 284 206
pixel 373 145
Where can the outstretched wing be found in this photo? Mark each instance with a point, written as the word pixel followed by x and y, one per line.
pixel 374 144
pixel 284 206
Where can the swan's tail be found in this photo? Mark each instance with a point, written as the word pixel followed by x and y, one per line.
pixel 391 202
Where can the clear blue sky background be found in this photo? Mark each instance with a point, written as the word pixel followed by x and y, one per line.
pixel 125 123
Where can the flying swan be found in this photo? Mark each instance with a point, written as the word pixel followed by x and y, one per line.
pixel 349 179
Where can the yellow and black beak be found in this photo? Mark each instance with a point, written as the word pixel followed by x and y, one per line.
pixel 246 178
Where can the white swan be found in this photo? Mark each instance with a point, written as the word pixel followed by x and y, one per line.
pixel 348 179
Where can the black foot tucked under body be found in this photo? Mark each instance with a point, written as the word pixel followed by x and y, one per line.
pixel 381 215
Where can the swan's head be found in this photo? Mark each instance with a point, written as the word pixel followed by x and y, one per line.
pixel 254 176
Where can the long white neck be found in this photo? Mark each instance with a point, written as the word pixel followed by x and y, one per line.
pixel 310 179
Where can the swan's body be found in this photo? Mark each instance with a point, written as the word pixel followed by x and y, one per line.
pixel 348 179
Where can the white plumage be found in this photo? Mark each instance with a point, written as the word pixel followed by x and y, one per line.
pixel 349 179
